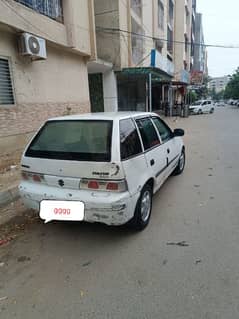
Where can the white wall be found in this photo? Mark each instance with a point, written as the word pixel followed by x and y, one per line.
pixel 62 77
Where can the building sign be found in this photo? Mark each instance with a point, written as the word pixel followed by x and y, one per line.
pixel 162 63
pixel 197 77
pixel 185 77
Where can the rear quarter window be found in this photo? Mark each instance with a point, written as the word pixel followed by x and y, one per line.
pixel 129 139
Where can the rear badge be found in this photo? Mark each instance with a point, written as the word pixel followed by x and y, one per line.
pixel 61 183
pixel 101 173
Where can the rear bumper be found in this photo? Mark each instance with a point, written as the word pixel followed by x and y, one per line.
pixel 104 207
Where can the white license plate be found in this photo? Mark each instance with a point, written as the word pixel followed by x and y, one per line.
pixel 61 210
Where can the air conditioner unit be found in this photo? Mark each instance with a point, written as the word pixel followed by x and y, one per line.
pixel 30 45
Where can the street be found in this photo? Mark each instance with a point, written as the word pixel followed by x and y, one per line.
pixel 184 265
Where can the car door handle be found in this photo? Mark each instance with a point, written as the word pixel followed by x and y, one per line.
pixel 168 150
pixel 152 162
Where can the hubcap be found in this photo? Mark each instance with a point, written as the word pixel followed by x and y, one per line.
pixel 181 162
pixel 145 206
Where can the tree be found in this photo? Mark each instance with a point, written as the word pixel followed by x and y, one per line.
pixel 217 95
pixel 232 88
pixel 191 96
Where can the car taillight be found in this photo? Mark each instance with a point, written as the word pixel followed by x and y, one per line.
pixel 112 186
pixel 25 176
pixel 103 185
pixel 93 185
pixel 36 178
pixel 32 176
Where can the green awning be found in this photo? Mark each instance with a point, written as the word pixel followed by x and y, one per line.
pixel 157 74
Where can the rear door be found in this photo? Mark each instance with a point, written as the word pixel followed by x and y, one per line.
pixel 208 106
pixel 154 153
pixel 170 146
pixel 132 156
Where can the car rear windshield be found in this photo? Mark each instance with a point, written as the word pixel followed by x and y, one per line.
pixel 81 140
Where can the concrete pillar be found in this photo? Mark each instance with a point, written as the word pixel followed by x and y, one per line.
pixel 110 92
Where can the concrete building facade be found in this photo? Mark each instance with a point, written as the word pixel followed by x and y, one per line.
pixel 133 50
pixel 218 84
pixel 200 54
pixel 182 45
pixel 33 90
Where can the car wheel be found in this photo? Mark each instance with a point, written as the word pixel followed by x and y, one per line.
pixel 143 209
pixel 212 111
pixel 199 111
pixel 181 164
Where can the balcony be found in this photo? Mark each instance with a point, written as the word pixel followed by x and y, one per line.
pixel 161 62
pixel 136 6
pixel 50 8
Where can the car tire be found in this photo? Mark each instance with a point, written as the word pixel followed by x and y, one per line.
pixel 199 111
pixel 212 111
pixel 143 209
pixel 181 164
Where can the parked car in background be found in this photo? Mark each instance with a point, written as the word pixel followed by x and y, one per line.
pixel 101 167
pixel 220 103
pixel 202 106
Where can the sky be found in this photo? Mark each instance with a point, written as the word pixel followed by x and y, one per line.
pixel 221 26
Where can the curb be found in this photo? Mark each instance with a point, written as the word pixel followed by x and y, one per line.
pixel 9 196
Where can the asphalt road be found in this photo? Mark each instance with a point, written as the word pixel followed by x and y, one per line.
pixel 85 271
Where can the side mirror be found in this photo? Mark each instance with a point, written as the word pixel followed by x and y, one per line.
pixel 178 132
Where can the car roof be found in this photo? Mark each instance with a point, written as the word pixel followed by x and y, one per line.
pixel 201 101
pixel 102 116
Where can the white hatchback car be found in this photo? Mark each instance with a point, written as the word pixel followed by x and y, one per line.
pixel 109 163
pixel 200 107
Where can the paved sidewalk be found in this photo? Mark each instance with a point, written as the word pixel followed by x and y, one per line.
pixel 10 203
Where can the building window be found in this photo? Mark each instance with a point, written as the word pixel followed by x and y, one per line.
pixel 186 43
pixel 137 42
pixel 136 6
pixel 192 48
pixel 6 88
pixel 50 8
pixel 170 41
pixel 171 13
pixel 160 14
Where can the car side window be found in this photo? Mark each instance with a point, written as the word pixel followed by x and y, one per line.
pixel 130 144
pixel 148 133
pixel 209 102
pixel 163 129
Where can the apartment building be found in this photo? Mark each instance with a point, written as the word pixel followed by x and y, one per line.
pixel 183 37
pixel 193 32
pixel 200 54
pixel 145 52
pixel 218 84
pixel 133 52
pixel 44 50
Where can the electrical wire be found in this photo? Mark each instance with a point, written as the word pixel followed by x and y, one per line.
pixel 115 30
